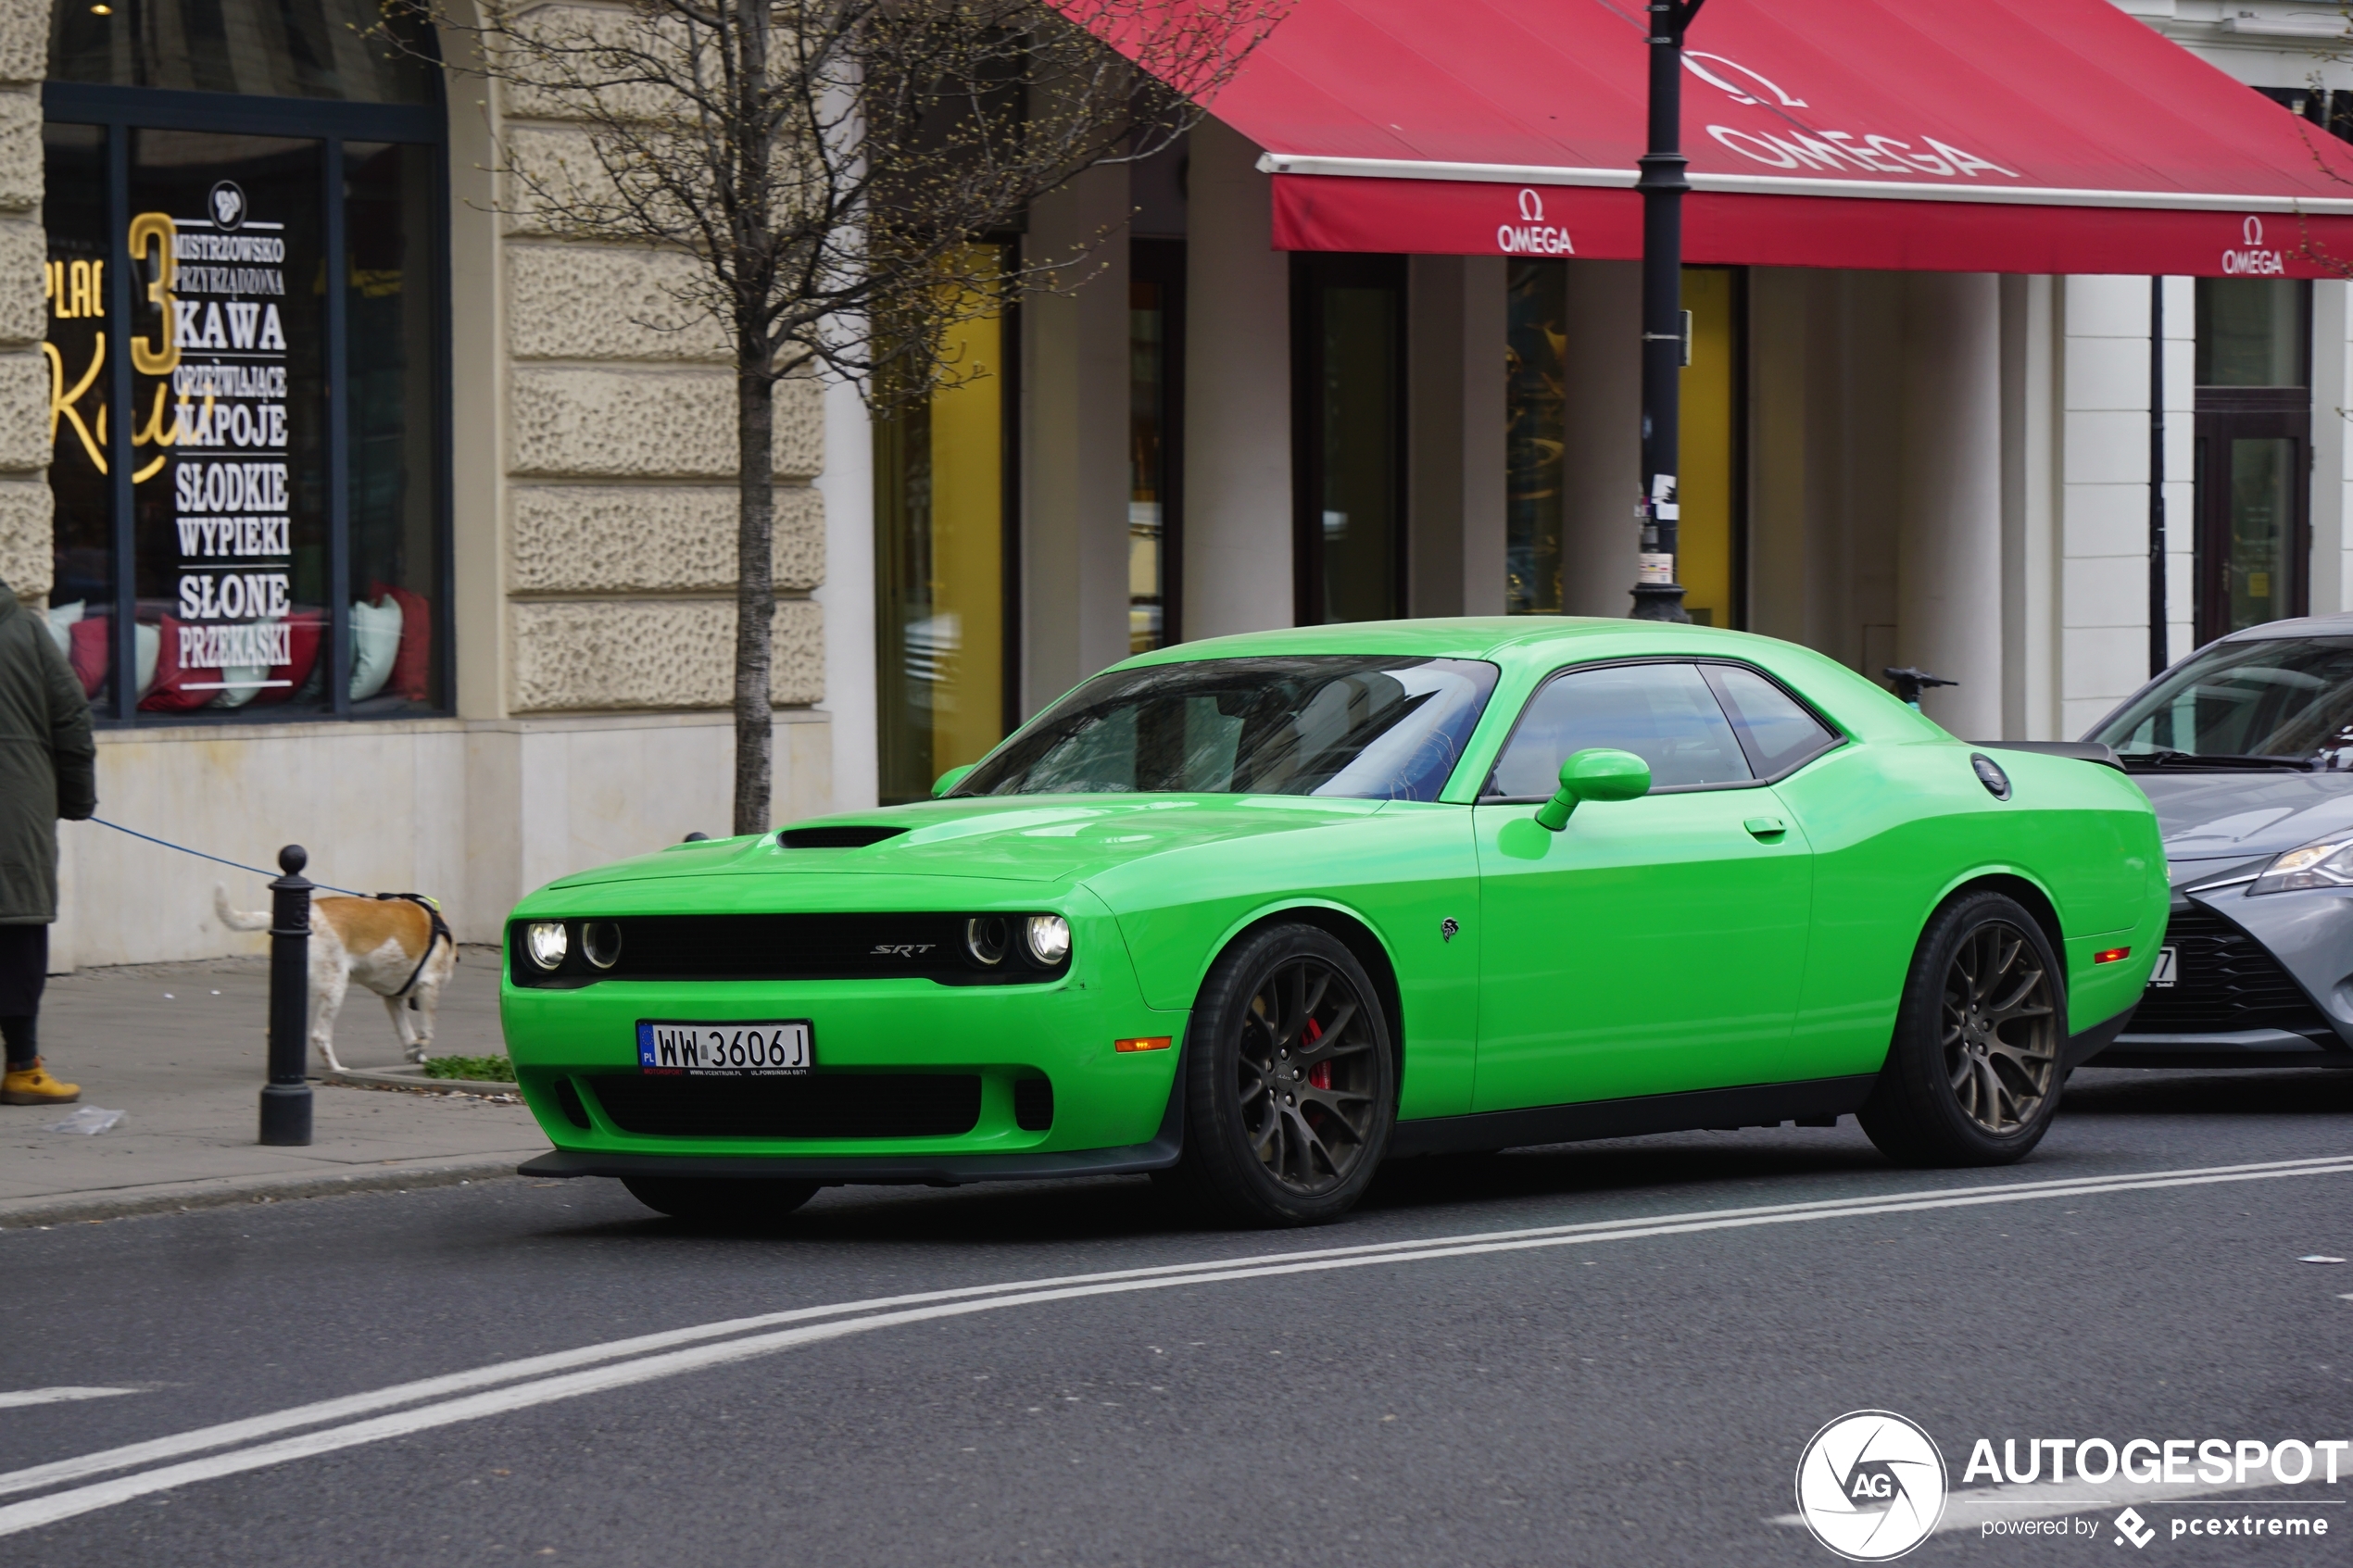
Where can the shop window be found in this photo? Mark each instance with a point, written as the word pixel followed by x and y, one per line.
pixel 247 372
pixel 258 48
pixel 2254 430
pixel 1348 437
pixel 1713 534
pixel 1155 413
pixel 1535 434
pixel 943 568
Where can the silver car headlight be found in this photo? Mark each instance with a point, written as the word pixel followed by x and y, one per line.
pixel 2326 863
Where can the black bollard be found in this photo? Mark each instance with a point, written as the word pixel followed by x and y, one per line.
pixel 285 1099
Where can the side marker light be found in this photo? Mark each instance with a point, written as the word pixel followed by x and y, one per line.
pixel 1147 1043
pixel 2111 955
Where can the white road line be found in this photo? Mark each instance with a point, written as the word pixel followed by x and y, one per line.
pixel 36 1512
pixel 59 1395
pixel 255 1428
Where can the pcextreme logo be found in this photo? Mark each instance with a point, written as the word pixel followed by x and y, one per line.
pixel 1870 1486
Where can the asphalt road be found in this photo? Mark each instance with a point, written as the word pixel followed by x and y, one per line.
pixel 1636 1393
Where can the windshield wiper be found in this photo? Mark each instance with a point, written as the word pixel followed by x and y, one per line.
pixel 2217 761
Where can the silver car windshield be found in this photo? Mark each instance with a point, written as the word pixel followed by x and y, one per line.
pixel 2278 702
pixel 1379 728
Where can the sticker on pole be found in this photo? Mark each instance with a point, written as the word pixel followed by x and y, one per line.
pixel 1870 1486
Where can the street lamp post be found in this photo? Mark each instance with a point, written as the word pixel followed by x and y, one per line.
pixel 1657 597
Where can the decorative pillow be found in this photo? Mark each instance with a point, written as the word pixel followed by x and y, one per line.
pixel 164 687
pixel 375 643
pixel 62 620
pixel 412 669
pixel 146 649
pixel 305 631
pixel 90 650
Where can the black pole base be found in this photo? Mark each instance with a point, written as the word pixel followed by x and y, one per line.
pixel 285 1115
pixel 1659 601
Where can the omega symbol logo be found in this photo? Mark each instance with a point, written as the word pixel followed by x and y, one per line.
pixel 1532 207
pixel 2253 230
pixel 228 204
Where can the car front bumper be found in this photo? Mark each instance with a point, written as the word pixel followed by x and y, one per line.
pixel 2265 982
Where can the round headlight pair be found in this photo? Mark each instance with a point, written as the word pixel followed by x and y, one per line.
pixel 549 940
pixel 1044 939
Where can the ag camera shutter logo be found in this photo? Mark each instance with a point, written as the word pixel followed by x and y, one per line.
pixel 1870 1486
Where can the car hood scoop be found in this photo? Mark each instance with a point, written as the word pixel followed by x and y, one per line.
pixel 839 835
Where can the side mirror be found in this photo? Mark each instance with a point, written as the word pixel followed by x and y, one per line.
pixel 951 779
pixel 1596 774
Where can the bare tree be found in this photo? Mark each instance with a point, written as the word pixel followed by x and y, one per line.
pixel 829 165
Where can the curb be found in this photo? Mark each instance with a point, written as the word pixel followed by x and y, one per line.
pixel 172 1198
pixel 414 1080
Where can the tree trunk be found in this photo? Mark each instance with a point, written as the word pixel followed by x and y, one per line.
pixel 755 591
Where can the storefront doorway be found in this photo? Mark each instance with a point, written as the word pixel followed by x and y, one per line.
pixel 1348 437
pixel 2254 434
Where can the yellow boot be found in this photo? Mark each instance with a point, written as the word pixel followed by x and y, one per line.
pixel 33 1086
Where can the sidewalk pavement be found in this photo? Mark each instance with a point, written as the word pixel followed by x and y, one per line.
pixel 181 1047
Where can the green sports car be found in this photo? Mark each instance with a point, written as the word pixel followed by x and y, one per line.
pixel 1255 914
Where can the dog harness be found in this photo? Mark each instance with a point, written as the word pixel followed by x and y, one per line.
pixel 441 932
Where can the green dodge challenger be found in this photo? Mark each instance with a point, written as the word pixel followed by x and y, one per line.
pixel 1257 914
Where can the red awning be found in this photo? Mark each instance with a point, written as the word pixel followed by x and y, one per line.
pixel 1947 136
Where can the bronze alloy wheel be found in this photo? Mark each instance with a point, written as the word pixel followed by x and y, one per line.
pixel 1308 1077
pixel 2000 1030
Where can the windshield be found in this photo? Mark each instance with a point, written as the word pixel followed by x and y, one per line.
pixel 1370 728
pixel 2271 701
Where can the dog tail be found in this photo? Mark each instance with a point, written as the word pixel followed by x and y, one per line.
pixel 233 919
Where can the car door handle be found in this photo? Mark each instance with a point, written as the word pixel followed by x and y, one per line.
pixel 1766 827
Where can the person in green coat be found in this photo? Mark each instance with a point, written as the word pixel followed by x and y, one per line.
pixel 48 770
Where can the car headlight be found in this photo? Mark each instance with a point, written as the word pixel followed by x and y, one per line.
pixel 547 942
pixel 1047 937
pixel 2326 863
pixel 988 938
pixel 600 943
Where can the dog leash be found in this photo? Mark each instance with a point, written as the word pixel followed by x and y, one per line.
pixel 236 864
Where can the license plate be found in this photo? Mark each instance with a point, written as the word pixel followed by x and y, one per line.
pixel 2163 974
pixel 725 1050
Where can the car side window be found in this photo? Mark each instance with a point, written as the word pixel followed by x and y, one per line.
pixel 1663 713
pixel 1776 731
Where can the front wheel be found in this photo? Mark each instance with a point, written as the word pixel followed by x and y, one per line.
pixel 1972 1075
pixel 720 1200
pixel 1291 1082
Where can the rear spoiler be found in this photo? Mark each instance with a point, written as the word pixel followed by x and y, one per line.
pixel 2081 750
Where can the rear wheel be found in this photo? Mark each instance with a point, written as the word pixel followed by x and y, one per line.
pixel 1291 1086
pixel 1972 1075
pixel 720 1200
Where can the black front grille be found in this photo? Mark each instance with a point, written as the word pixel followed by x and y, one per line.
pixel 2223 979
pixel 822 1105
pixel 1033 1104
pixel 812 946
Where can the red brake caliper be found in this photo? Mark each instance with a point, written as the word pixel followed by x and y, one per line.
pixel 1320 1075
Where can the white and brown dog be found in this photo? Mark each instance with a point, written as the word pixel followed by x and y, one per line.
pixel 394 943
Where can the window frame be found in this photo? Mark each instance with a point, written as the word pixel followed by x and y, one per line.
pixel 1703 662
pixel 119 112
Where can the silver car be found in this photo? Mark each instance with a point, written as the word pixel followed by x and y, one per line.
pixel 2246 748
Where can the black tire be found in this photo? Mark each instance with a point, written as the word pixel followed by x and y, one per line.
pixel 1972 1076
pixel 720 1200
pixel 1291 1082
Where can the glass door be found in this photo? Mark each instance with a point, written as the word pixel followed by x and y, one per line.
pixel 1348 437
pixel 2254 430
